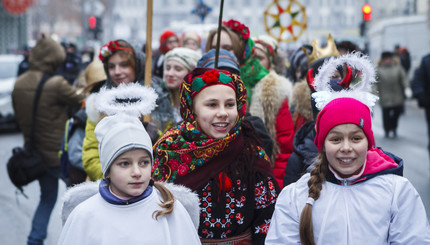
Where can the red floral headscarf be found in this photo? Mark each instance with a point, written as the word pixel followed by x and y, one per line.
pixel 185 149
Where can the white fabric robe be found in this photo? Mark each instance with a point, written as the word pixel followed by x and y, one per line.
pixel 96 221
pixel 383 210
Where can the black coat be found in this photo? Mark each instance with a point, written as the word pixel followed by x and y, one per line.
pixel 304 153
pixel 421 81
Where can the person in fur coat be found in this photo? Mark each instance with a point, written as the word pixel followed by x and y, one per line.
pixel 270 101
pixel 129 207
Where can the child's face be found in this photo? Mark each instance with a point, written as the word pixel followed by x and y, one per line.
pixel 216 110
pixel 262 57
pixel 174 73
pixel 346 149
pixel 120 69
pixel 191 44
pixel 130 173
pixel 224 42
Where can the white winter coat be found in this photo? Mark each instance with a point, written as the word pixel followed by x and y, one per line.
pixel 385 209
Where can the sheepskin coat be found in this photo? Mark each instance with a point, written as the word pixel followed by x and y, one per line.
pixel 270 102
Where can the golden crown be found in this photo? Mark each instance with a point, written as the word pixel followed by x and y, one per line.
pixel 318 53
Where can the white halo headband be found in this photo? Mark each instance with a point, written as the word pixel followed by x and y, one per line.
pixel 132 99
pixel 361 91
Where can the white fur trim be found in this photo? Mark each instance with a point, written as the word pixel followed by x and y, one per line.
pixel 75 195
pixel 106 100
pixel 360 91
pixel 188 199
pixel 90 108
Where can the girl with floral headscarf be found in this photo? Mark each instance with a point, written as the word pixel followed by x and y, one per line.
pixel 216 153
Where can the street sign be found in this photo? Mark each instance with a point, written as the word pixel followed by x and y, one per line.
pixel 16 7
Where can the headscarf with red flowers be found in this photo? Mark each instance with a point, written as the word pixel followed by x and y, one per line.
pixel 186 155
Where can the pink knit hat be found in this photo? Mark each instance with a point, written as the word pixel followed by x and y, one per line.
pixel 342 111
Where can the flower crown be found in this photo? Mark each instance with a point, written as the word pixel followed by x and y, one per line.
pixel 238 27
pixel 211 77
pixel 110 47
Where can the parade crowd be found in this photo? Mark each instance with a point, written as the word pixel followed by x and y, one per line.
pixel 236 142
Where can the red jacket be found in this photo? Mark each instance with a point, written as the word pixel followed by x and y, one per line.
pixel 284 137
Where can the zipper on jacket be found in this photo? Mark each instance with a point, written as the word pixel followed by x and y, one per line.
pixel 344 182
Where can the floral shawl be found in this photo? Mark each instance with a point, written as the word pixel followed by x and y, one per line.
pixel 185 155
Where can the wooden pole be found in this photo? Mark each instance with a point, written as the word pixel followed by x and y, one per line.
pixel 218 38
pixel 148 49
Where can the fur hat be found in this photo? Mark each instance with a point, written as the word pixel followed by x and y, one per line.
pixel 342 111
pixel 187 57
pixel 118 134
pixel 225 60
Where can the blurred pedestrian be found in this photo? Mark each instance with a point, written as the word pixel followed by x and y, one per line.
pixel 168 41
pixel 24 64
pixel 352 190
pixel 51 116
pixel 216 153
pixel 178 62
pixel 420 86
pixel 300 103
pixel 129 207
pixel 402 53
pixel 391 86
pixel 72 65
pixel 191 40
pixel 346 47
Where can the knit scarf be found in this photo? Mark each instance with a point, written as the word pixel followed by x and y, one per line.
pixel 251 73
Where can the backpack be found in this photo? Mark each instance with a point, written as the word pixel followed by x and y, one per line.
pixel 63 153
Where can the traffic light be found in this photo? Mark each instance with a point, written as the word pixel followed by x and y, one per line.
pixel 95 27
pixel 367 12
pixel 92 22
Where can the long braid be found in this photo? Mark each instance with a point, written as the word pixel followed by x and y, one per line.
pixel 315 182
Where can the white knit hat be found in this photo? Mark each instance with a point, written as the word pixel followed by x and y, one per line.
pixel 186 56
pixel 118 134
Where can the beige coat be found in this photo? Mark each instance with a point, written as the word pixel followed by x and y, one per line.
pixel 391 84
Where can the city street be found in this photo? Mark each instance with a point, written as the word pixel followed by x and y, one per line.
pixel 16 211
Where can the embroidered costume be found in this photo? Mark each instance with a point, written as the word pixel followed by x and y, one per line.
pixel 231 175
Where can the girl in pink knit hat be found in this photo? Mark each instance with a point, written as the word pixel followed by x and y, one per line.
pixel 355 192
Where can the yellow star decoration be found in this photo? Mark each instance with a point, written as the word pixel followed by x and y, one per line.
pixel 296 14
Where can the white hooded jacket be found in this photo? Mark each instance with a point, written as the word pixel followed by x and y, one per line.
pixel 383 209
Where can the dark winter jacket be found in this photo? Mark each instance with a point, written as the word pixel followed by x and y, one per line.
pixel 304 153
pixel 57 95
pixel 420 82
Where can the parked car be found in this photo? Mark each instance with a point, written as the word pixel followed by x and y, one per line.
pixel 8 73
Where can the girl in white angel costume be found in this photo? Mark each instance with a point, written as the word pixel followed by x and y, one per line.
pixel 127 207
